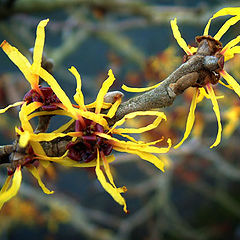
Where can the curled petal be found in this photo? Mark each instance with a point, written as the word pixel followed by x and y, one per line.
pixel 25 111
pixel 159 115
pixel 64 127
pixel 24 137
pixel 108 187
pixel 104 89
pixel 104 106
pixel 78 97
pixel 227 48
pixel 39 137
pixel 178 37
pixel 58 91
pixel 190 119
pixel 21 62
pixel 141 142
pixel 132 89
pixel 226 26
pixel 13 189
pixel 109 174
pixel 134 145
pixel 217 113
pixel 229 52
pixel 10 106
pixel 231 81
pixel 35 173
pixel 114 108
pixel 67 162
pixel 225 85
pixel 203 93
pixel 145 156
pixel 38 47
pixel 98 118
pixel 222 12
pixel 6 185
pixel 45 113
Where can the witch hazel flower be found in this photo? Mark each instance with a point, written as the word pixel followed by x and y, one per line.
pixel 93 139
pixel 213 77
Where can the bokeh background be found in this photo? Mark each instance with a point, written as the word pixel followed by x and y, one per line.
pixel 198 196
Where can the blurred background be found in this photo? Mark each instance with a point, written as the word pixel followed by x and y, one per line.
pixel 198 196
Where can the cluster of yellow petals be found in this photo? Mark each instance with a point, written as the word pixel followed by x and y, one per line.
pixel 32 73
pixel 228 52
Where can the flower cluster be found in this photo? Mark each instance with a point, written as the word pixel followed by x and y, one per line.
pixel 209 78
pixel 93 139
pixel 224 54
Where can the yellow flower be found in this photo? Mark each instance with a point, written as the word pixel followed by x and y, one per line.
pixel 93 138
pixel 31 73
pixel 224 54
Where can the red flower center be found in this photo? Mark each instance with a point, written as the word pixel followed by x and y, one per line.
pixel 85 148
pixel 49 98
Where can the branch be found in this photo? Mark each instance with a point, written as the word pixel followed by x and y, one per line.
pixel 192 73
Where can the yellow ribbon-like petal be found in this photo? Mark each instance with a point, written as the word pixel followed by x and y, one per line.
pixel 93 105
pixel 225 85
pixel 109 174
pixel 39 137
pixel 58 91
pixel 145 156
pixel 3 110
pixel 222 12
pixel 67 162
pixel 231 81
pixel 6 185
pixel 132 89
pixel 229 53
pixel 178 37
pixel 226 26
pixel 64 127
pixel 35 173
pixel 134 145
pixel 229 45
pixel 38 47
pixel 45 113
pixel 190 119
pixel 25 111
pixel 78 97
pixel 217 113
pixel 114 108
pixel 108 187
pixel 21 62
pixel 98 118
pixel 159 115
pixel 104 89
pixel 13 189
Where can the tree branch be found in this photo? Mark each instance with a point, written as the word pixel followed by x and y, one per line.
pixel 192 73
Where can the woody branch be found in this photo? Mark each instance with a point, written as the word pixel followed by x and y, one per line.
pixel 189 74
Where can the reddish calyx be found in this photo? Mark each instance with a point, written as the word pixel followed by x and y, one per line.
pixel 85 148
pixel 48 98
